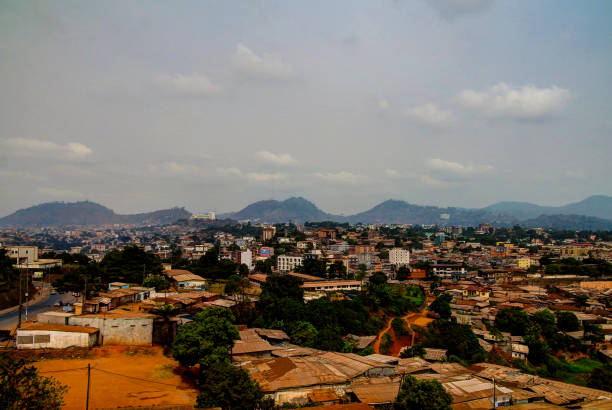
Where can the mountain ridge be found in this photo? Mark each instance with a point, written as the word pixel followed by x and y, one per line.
pixel 299 209
pixel 83 213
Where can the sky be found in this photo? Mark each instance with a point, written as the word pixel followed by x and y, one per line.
pixel 212 105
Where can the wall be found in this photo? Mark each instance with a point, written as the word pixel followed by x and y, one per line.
pixel 119 331
pixel 58 340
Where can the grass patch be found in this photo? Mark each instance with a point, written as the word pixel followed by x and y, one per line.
pixel 163 372
pixel 216 287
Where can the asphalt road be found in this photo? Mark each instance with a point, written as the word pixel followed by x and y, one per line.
pixel 10 319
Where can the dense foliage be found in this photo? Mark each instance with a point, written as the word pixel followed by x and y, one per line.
pixel 21 387
pixel 422 394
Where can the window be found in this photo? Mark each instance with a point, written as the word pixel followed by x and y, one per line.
pixel 42 338
pixel 25 340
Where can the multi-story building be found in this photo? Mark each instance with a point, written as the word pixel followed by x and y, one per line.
pixel 268 233
pixel 243 257
pixel 287 263
pixel 399 257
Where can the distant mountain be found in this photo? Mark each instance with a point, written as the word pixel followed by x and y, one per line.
pixel 401 212
pixel 599 206
pixel 86 213
pixel 569 222
pixel 292 209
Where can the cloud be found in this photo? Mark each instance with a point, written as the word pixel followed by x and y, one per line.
pixel 59 193
pixel 233 171
pixel 456 168
pixel 383 105
pixel 575 173
pixel 265 177
pixel 503 100
pixel 173 168
pixel 197 85
pixel 432 114
pixel 24 175
pixel 342 177
pixel 265 67
pixel 433 181
pixel 450 9
pixel 276 159
pixel 29 147
pixel 391 173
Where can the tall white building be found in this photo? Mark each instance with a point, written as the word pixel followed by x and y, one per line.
pixel 399 257
pixel 287 263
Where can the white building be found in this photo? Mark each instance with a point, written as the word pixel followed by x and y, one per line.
pixel 210 216
pixel 55 336
pixel 399 257
pixel 287 263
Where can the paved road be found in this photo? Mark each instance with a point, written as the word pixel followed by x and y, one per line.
pixel 10 319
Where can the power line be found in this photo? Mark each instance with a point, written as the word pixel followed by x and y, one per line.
pixel 64 370
pixel 135 378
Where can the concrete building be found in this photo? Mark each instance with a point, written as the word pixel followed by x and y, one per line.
pixel 209 216
pixel 26 257
pixel 268 233
pixel 184 279
pixel 119 327
pixel 243 257
pixel 54 336
pixel 287 263
pixel 332 285
pixel 399 257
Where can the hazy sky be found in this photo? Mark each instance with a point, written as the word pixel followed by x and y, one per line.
pixel 211 105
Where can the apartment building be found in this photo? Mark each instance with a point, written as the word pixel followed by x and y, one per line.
pixel 287 263
pixel 399 257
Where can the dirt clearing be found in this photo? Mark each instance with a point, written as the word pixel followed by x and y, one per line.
pixel 122 377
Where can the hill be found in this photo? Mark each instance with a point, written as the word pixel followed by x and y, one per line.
pixel 599 206
pixel 292 209
pixel 86 213
pixel 569 222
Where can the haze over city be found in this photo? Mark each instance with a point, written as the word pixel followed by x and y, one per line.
pixel 214 105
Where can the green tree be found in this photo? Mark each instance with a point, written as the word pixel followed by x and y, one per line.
pixel 601 378
pixel 329 339
pixel 546 321
pixel 158 282
pixel 21 387
pixel 303 333
pixel 337 269
pixel 264 266
pixel 417 394
pixel 316 267
pixel 223 385
pixel 539 351
pixel 385 343
pixel 416 350
pixel 129 265
pixel 211 331
pixel 403 273
pixel 567 321
pixel 513 320
pixel 442 306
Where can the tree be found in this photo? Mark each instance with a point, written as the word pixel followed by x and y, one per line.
pixel 329 339
pixel 378 278
pixel 303 334
pixel 264 266
pixel 337 269
pixel 567 321
pixel 442 306
pixel 601 378
pixel 316 267
pixel 422 394
pixel 546 321
pixel 385 343
pixel 416 350
pixel 513 320
pixel 21 387
pixel 403 273
pixel 211 332
pixel 158 282
pixel 581 300
pixel 539 351
pixel 129 265
pixel 223 385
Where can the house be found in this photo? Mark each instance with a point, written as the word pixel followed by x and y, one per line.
pixel 332 285
pixel 475 291
pixel 434 355
pixel 184 279
pixel 118 285
pixel 119 327
pixel 519 351
pixel 53 336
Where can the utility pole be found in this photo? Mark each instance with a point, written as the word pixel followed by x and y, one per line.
pixel 27 295
pixel 88 383
pixel 494 395
pixel 20 301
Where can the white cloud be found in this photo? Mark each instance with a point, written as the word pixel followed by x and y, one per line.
pixel 433 182
pixel 33 147
pixel 233 171
pixel 342 177
pixel 432 114
pixel 575 173
pixel 456 168
pixel 383 105
pixel 527 102
pixel 276 159
pixel 264 67
pixel 197 85
pixel 173 168
pixel 59 193
pixel 450 9
pixel 265 177
pixel 392 173
pixel 21 175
